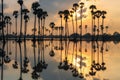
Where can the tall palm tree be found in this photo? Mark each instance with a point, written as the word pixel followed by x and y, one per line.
pixel 61 16
pixel 92 7
pixel 35 6
pixel 2 20
pixel 81 12
pixel 52 25
pixel 26 18
pixel 7 21
pixel 39 15
pixel 66 17
pixel 71 15
pixel 98 14
pixel 75 7
pixel 103 17
pixel 45 14
pixel 15 14
pixel 20 2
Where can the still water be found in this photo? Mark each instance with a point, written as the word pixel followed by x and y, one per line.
pixel 60 60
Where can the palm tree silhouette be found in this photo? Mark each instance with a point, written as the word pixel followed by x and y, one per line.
pixel 15 14
pixel 106 29
pixel 103 17
pixel 35 6
pixel 61 16
pixel 52 25
pixel 75 7
pixel 66 17
pixel 20 2
pixel 26 18
pixel 98 14
pixel 39 15
pixel 7 21
pixel 3 23
pixel 71 15
pixel 10 23
pixel 92 7
pixel 45 14
pixel 81 12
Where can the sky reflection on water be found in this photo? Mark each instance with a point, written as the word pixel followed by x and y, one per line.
pixel 78 54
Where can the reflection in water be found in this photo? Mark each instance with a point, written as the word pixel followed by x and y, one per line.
pixel 84 60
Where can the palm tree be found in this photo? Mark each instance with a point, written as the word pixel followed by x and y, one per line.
pixel 66 17
pixel 103 17
pixel 35 6
pixel 81 11
pixel 20 2
pixel 26 18
pixel 15 14
pixel 7 21
pixel 10 23
pixel 2 20
pixel 71 15
pixel 75 7
pixel 61 16
pixel 45 14
pixel 52 25
pixel 39 15
pixel 92 7
pixel 106 29
pixel 98 14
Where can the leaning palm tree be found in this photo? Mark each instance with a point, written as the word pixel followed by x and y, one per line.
pixel 20 2
pixel 15 14
pixel 92 7
pixel 81 12
pixel 52 25
pixel 75 7
pixel 35 6
pixel 26 18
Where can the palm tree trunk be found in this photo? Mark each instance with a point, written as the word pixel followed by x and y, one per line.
pixel 39 27
pixel 81 25
pixel 7 31
pixel 34 27
pixel 76 20
pixel 16 28
pixel 21 24
pixel 73 25
pixel 25 30
pixel 2 21
pixel 98 30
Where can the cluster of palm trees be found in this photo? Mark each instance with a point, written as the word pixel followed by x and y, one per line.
pixel 97 14
pixel 67 14
pixel 38 14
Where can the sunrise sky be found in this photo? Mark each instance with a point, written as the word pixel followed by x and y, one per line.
pixel 53 6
